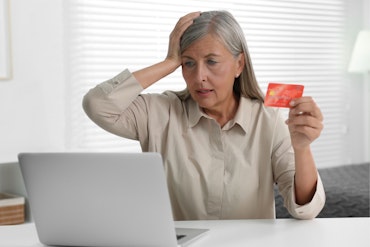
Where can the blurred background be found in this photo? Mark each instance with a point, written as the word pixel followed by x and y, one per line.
pixel 53 51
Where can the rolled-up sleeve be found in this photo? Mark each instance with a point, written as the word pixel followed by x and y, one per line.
pixel 284 174
pixel 108 104
pixel 311 209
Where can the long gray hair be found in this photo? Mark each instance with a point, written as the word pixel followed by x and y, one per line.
pixel 226 28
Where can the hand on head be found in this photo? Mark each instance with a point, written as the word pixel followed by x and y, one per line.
pixel 183 23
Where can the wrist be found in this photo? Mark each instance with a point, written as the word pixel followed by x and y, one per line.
pixel 171 64
pixel 302 150
pixel 153 73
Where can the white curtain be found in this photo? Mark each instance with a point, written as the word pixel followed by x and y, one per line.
pixel 291 41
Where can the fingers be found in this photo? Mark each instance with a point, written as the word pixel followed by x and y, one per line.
pixel 184 22
pixel 174 45
pixel 305 106
pixel 307 125
pixel 305 121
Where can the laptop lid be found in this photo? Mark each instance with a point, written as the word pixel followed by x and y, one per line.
pixel 99 199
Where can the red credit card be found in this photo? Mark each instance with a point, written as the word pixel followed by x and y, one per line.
pixel 280 95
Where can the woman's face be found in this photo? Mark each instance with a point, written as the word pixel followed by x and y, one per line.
pixel 209 70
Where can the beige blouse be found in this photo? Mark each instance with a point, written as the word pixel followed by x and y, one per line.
pixel 212 172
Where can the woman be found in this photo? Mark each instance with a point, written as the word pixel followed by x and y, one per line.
pixel 222 149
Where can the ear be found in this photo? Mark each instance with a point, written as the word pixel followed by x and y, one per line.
pixel 240 63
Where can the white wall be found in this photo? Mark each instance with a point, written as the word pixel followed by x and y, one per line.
pixel 32 102
pixel 32 107
pixel 358 89
pixel 366 25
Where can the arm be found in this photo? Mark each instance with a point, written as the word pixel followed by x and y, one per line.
pixel 305 125
pixel 305 176
pixel 107 103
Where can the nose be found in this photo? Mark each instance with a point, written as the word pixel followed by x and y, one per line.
pixel 201 73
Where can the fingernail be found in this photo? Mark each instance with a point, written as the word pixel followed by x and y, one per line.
pixel 292 103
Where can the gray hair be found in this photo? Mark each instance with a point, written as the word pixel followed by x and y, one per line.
pixel 226 28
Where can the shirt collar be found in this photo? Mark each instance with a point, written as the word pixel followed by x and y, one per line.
pixel 242 116
pixel 195 113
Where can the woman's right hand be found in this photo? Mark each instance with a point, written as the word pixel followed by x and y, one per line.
pixel 149 75
pixel 183 23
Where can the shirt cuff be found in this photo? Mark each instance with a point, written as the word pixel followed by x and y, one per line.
pixel 311 209
pixel 124 77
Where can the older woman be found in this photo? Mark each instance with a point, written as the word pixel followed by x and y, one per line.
pixel 222 149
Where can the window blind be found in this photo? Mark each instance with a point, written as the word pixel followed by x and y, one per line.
pixel 294 41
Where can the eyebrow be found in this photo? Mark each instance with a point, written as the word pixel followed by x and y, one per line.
pixel 208 55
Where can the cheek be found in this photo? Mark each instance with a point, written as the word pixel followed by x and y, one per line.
pixel 223 77
pixel 225 71
pixel 187 76
pixel 191 77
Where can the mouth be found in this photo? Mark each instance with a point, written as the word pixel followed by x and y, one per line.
pixel 203 91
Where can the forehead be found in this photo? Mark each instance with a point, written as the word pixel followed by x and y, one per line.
pixel 209 44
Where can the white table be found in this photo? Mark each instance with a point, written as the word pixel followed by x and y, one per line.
pixel 329 232
pixel 333 232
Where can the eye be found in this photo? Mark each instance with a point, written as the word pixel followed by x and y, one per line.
pixel 211 62
pixel 188 64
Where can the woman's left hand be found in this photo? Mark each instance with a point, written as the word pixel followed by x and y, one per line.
pixel 305 122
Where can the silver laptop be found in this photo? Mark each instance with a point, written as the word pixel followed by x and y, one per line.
pixel 101 199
